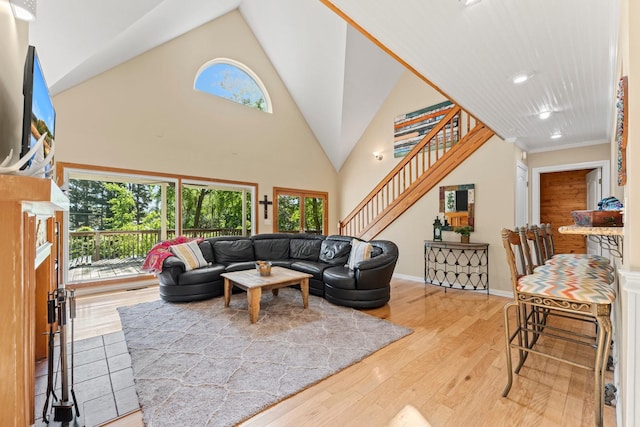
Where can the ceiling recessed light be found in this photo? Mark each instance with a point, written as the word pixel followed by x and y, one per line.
pixel 521 78
pixel 544 115
pixel 556 135
pixel 24 10
pixel 469 2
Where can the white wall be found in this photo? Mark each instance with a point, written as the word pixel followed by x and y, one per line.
pixel 13 50
pixel 628 367
pixel 630 52
pixel 145 115
pixel 568 156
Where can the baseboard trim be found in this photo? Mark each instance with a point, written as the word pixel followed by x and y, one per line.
pixel 407 277
pixel 495 292
pixel 127 286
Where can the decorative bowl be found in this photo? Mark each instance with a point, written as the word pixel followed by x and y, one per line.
pixel 263 267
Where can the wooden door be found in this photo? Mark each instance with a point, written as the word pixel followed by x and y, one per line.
pixel 561 193
pixel 594 195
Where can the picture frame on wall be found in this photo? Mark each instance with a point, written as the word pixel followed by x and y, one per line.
pixel 410 128
pixel 621 129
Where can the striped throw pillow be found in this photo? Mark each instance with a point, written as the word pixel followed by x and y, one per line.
pixel 190 254
pixel 360 251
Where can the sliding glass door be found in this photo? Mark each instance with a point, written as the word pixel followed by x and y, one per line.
pixel 116 217
pixel 113 222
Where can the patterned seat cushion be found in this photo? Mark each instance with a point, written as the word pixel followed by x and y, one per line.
pixel 595 261
pixel 572 269
pixel 568 285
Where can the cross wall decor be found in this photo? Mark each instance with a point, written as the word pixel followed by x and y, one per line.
pixel 266 203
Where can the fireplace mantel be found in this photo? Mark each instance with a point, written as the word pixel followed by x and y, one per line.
pixel 28 274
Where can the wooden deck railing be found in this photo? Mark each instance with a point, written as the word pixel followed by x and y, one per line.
pixel 86 247
pixel 390 198
pixel 207 232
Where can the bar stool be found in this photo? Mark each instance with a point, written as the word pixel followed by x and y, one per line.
pixel 537 237
pixel 587 266
pixel 562 289
pixel 545 235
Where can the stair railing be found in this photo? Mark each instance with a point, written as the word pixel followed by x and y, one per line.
pixel 451 130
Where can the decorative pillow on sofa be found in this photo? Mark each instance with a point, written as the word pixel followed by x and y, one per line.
pixel 190 254
pixel 360 251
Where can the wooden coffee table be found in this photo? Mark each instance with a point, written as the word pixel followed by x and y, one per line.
pixel 252 282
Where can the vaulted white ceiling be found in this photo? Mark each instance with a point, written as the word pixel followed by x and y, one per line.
pixel 473 52
pixel 339 78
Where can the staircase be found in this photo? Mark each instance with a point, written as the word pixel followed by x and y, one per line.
pixel 450 142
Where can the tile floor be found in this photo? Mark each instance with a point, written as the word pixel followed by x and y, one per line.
pixel 103 381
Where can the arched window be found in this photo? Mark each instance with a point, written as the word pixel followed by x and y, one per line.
pixel 232 80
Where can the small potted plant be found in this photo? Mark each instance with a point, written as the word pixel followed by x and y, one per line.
pixel 464 232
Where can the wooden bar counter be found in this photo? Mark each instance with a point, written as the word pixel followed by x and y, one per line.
pixel 609 238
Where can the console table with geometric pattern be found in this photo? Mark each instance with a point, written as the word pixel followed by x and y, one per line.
pixel 457 265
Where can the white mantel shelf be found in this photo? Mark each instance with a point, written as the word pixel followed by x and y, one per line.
pixel 26 203
pixel 38 196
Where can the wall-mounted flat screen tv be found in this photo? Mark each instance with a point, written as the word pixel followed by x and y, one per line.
pixel 39 116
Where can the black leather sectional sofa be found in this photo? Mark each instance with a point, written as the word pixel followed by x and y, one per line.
pixel 324 257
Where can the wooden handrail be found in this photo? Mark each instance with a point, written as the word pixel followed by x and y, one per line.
pixel 434 149
pixel 407 159
pixel 474 140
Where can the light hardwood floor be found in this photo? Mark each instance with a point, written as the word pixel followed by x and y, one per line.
pixel 451 368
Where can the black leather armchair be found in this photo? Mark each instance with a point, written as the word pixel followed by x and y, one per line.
pixel 366 286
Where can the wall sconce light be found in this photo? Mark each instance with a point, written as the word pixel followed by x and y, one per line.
pixel 378 156
pixel 24 10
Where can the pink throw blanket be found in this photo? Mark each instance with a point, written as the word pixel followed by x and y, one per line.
pixel 160 252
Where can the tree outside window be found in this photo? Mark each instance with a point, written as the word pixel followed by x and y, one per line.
pixel 233 81
pixel 300 211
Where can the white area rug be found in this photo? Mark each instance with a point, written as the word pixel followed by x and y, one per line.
pixel 201 364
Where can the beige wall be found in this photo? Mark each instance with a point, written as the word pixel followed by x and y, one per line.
pixel 361 171
pixel 590 153
pixel 13 49
pixel 495 191
pixel 495 198
pixel 145 115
